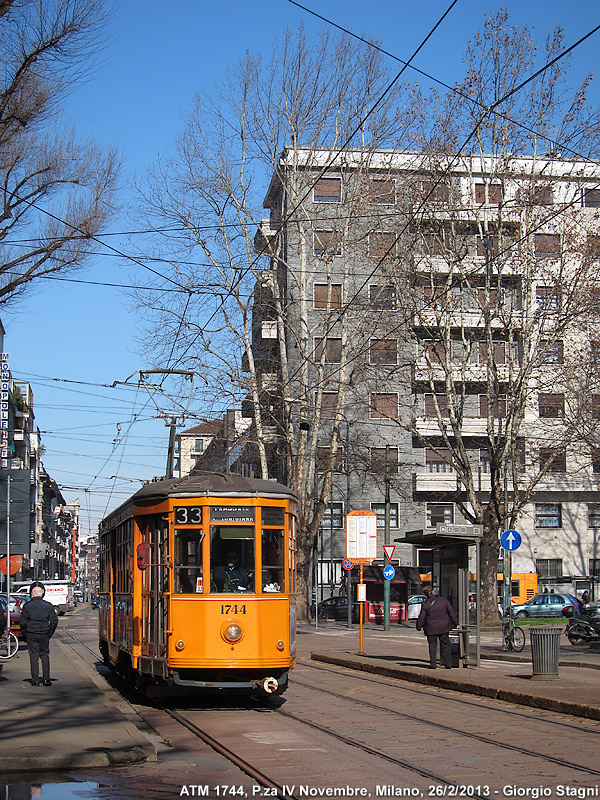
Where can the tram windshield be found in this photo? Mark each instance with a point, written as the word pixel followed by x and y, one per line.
pixel 231 558
pixel 188 561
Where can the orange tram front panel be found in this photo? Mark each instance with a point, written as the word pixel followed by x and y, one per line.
pixel 198 585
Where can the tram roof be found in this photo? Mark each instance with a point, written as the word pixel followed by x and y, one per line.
pixel 199 484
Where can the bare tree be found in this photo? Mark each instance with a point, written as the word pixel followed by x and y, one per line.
pixel 248 295
pixel 57 193
pixel 503 279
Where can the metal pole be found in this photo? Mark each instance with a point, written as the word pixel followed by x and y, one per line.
pixel 331 580
pixel 386 561
pixel 8 552
pixel 362 606
pixel 171 451
pixel 348 509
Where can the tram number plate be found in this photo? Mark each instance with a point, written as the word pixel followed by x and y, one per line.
pixel 233 609
pixel 188 515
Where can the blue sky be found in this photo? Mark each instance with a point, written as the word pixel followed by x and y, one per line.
pixel 70 340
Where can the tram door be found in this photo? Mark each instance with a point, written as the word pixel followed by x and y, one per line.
pixel 155 587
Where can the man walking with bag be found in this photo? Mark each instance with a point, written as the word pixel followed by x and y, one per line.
pixel 437 618
pixel 38 623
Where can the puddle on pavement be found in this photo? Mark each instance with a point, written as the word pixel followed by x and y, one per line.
pixel 49 791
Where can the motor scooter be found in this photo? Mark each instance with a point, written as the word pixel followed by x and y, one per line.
pixel 583 629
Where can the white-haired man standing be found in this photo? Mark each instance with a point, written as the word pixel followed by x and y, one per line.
pixel 38 623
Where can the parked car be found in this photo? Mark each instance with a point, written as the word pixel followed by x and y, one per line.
pixel 414 605
pixel 546 605
pixel 16 604
pixel 592 609
pixel 333 608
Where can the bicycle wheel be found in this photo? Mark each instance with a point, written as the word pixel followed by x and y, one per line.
pixel 9 644
pixel 517 639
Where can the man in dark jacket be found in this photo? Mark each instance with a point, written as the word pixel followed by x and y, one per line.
pixel 437 618
pixel 38 623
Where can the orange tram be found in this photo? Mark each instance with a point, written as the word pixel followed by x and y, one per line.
pixel 197 584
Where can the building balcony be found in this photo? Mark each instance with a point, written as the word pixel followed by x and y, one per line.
pixel 426 481
pixel 265 238
pixel 472 426
pixel 432 318
pixel 471 373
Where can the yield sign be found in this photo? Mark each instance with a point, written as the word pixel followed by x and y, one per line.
pixel 388 549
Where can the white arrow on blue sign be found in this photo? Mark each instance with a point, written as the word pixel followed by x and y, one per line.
pixel 389 572
pixel 510 540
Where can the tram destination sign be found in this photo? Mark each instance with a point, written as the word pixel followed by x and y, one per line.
pixel 232 514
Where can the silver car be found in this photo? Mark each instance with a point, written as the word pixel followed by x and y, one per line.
pixel 544 605
pixel 414 605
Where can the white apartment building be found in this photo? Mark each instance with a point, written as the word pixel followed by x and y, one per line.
pixel 445 309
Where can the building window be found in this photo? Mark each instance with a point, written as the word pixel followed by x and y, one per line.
pixel 323 460
pixel 498 350
pixel 320 295
pixel 553 459
pixel 438 460
pixel 434 352
pixel 198 447
pixel 548 567
pixel 547 298
pixel 442 402
pixel 329 401
pixel 433 243
pixel 384 406
pixel 382 245
pixel 383 351
pixel 382 190
pixel 547 244
pixel 498 410
pixel 379 456
pixel 382 298
pixel 326 243
pixel 327 190
pixel 542 196
pixel 595 352
pixel 439 514
pixel 548 515
pixel 338 516
pixel 333 350
pixel 379 509
pixel 594 566
pixel 591 198
pixel 494 194
pixel 435 191
pixel 552 352
pixel 593 515
pixel 551 406
pixel 596 406
pixel 596 460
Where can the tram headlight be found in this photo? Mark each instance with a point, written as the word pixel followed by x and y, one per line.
pixel 180 645
pixel 280 645
pixel 233 632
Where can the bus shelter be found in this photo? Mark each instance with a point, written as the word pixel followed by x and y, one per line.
pixel 455 575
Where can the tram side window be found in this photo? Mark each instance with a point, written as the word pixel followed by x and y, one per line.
pixel 188 561
pixel 272 561
pixel 231 559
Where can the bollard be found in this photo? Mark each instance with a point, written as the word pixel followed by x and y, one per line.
pixel 545 647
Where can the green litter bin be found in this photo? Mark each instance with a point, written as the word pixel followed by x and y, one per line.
pixel 545 648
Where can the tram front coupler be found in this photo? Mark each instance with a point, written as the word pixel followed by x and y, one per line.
pixel 268 685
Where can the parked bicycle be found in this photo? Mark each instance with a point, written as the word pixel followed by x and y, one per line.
pixel 9 645
pixel 514 638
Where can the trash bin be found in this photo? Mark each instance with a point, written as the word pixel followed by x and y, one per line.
pixel 459 648
pixel 545 647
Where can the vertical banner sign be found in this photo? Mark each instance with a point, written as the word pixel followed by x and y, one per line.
pixel 4 394
pixel 361 536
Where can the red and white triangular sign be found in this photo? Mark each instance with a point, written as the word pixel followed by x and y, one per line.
pixel 388 549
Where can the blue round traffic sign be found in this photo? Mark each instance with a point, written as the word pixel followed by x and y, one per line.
pixel 510 540
pixel 389 572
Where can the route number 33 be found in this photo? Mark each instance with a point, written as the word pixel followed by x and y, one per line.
pixel 188 515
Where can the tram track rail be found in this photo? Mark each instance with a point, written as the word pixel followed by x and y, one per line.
pixel 259 777
pixel 452 696
pixel 438 726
